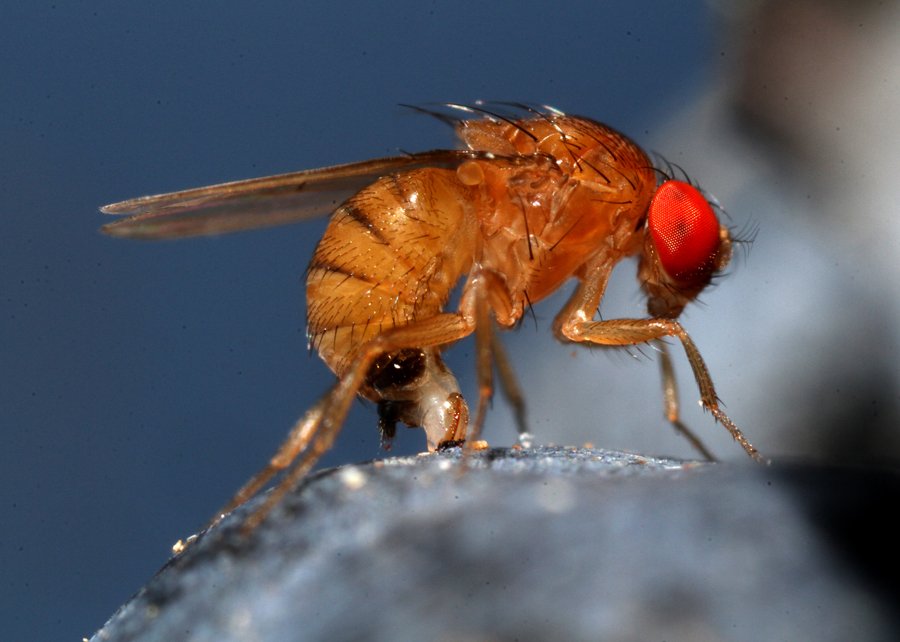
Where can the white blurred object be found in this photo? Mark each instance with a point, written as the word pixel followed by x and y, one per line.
pixel 820 83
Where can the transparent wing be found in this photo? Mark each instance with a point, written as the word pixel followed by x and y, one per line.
pixel 259 202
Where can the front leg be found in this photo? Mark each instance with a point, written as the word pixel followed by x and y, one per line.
pixel 574 324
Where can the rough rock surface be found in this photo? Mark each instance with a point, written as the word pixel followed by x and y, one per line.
pixel 539 544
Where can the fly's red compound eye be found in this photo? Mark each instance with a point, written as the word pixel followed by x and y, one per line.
pixel 684 229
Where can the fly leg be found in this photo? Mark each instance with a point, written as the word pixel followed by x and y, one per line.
pixel 574 324
pixel 296 442
pixel 670 402
pixel 484 358
pixel 315 433
pixel 623 332
pixel 485 294
pixel 510 386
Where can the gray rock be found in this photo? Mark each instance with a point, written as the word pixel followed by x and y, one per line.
pixel 540 544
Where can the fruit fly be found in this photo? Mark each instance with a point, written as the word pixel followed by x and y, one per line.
pixel 533 198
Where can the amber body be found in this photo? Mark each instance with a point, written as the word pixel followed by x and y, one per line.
pixel 527 205
pixel 528 219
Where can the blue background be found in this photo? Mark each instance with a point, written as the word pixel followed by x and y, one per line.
pixel 142 383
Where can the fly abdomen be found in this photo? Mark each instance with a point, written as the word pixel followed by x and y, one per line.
pixel 391 254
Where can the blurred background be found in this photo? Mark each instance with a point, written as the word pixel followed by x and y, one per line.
pixel 143 383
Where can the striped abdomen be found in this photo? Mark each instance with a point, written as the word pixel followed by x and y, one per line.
pixel 391 254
